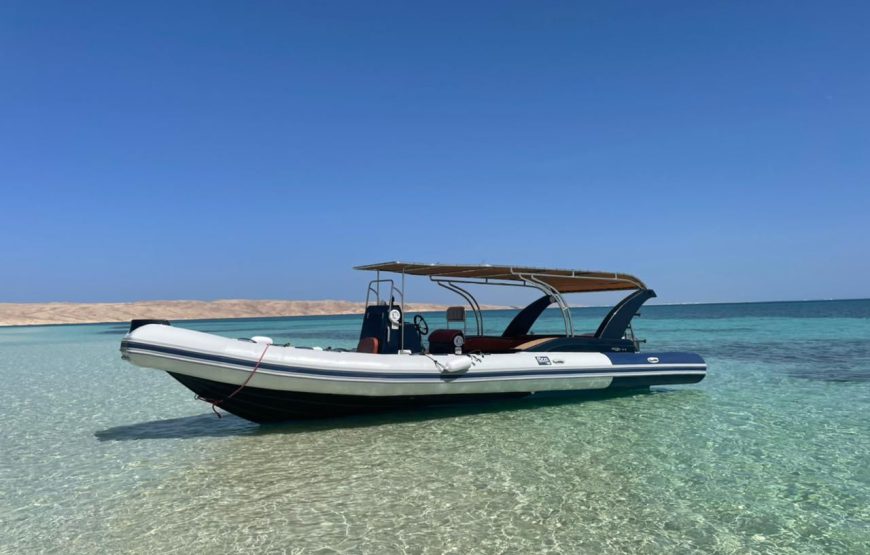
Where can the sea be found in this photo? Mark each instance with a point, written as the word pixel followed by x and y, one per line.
pixel 769 454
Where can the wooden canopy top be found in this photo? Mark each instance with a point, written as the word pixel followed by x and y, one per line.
pixel 562 281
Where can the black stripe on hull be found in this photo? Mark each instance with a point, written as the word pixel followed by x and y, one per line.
pixel 268 406
pixel 631 382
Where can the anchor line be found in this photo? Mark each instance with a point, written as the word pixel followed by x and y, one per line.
pixel 218 402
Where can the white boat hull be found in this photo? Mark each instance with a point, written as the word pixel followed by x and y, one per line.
pixel 291 382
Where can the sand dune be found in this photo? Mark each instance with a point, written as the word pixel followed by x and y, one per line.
pixel 19 314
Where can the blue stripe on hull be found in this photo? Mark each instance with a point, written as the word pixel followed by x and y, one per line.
pixel 646 359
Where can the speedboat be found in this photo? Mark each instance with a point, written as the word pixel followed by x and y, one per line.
pixel 400 364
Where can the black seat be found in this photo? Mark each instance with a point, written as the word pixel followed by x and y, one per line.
pixel 443 342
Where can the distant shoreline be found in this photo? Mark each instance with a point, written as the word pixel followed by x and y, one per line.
pixel 63 313
pixel 68 313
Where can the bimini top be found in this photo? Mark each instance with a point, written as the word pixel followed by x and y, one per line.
pixel 562 281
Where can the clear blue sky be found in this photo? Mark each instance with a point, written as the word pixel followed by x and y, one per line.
pixel 719 150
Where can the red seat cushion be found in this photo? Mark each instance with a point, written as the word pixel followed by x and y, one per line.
pixel 441 341
pixel 497 344
pixel 368 345
pixel 486 344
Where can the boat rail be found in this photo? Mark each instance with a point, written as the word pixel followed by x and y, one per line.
pixel 374 287
pixel 472 302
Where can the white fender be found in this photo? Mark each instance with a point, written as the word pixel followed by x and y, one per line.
pixel 456 365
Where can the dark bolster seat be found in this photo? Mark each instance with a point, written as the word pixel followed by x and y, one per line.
pixel 441 341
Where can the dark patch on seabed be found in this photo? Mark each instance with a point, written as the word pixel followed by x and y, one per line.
pixel 829 374
pixel 793 350
pixel 849 308
pixel 710 330
pixel 845 360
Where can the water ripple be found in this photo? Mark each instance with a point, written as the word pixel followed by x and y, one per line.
pixel 769 454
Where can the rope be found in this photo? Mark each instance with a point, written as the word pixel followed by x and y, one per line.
pixel 476 358
pixel 441 367
pixel 216 403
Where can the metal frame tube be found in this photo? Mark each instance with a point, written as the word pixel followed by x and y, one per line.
pixel 475 307
pixel 528 281
pixel 534 280
pixel 402 321
pixel 375 287
pixel 547 289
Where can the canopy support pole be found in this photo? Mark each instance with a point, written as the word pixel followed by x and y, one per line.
pixel 402 330
pixel 472 302
pixel 548 290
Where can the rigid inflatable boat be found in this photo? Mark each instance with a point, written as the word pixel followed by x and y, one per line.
pixel 396 365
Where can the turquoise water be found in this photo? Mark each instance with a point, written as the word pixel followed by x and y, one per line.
pixel 769 454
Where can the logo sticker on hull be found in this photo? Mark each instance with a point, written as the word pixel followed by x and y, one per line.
pixel 543 361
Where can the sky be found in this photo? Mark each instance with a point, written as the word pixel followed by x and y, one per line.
pixel 204 150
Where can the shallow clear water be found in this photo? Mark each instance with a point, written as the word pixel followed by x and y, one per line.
pixel 769 454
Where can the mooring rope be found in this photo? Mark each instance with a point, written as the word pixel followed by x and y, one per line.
pixel 476 358
pixel 438 365
pixel 217 403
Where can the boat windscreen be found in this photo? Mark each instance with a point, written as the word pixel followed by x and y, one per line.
pixel 523 322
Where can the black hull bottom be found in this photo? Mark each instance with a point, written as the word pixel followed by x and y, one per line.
pixel 268 406
pixel 633 382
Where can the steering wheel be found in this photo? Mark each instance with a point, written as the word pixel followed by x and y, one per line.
pixel 420 324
